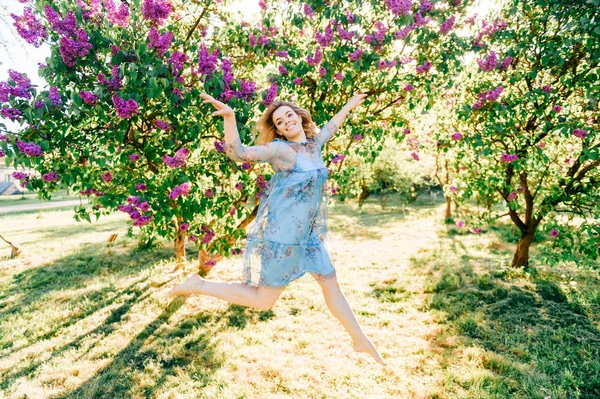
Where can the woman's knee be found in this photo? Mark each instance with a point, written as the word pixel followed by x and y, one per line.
pixel 327 283
pixel 268 296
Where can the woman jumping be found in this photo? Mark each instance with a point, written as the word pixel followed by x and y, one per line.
pixel 288 238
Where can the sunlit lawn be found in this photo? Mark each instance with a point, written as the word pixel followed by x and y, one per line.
pixel 24 199
pixel 450 318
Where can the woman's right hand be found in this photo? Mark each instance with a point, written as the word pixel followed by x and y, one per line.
pixel 222 109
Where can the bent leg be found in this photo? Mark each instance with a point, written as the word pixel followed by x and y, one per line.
pixel 339 307
pixel 238 293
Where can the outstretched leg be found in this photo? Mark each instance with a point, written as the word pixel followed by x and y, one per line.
pixel 339 307
pixel 241 294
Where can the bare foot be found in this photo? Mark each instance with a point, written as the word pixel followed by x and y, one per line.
pixel 188 287
pixel 368 347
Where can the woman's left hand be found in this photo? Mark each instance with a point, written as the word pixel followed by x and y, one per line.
pixel 355 101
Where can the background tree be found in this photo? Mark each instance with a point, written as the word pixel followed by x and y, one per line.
pixel 531 122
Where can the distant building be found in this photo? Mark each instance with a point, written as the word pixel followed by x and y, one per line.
pixel 8 184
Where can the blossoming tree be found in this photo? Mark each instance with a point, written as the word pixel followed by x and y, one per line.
pixel 530 133
pixel 122 121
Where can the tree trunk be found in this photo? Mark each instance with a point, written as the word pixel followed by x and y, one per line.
pixel 363 195
pixel 203 257
pixel 448 212
pixel 179 245
pixel 14 249
pixel 521 257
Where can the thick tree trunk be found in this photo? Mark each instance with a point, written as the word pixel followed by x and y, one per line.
pixel 448 212
pixel 521 257
pixel 180 248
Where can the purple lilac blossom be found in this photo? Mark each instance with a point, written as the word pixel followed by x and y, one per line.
pixel 88 97
pixel 125 108
pixel 207 63
pixel 117 15
pixel 182 189
pixel 271 94
pixel 29 28
pixel 156 10
pixel 399 7
pixel 160 42
pixel 509 157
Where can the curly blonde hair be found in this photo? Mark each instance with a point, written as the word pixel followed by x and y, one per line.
pixel 267 131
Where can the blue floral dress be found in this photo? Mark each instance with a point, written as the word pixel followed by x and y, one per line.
pixel 288 238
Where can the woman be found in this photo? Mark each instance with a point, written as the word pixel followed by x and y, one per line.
pixel 288 238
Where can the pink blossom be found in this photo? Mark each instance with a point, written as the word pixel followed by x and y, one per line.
pixel 476 230
pixel 556 108
pixel 106 176
pixel 554 233
pixel 415 156
pixel 580 133
pixel 460 223
pixel 511 196
pixel 134 157
pixel 457 136
pixel 184 226
pixel 509 157
pixel 209 193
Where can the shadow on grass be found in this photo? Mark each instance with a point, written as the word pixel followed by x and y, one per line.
pixel 150 358
pixel 535 338
pixel 355 223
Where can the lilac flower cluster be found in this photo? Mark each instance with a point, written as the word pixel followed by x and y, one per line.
pixel 298 81
pixel 383 64
pixel 547 89
pixel 160 42
pixel 457 136
pixel 71 49
pixel 208 234
pixel 356 55
pixel 283 70
pixel 117 15
pixel 247 89
pixel 399 7
pixel 134 157
pixel 325 39
pixel 30 149
pixel 232 211
pixel 156 10
pixel 282 53
pixel 409 87
pixel 220 146
pixel 491 62
pixel 29 28
pixel 421 69
pixel 556 108
pixel 141 187
pixel 322 71
pixel 488 29
pixel 509 157
pixel 64 27
pixel 308 11
pixel 227 69
pixel 246 166
pixel 184 226
pixel 338 158
pixel 338 76
pixel 505 63
pixel 162 125
pixel 447 25
pixel 316 60
pixel 134 209
pixel 179 160
pixel 426 6
pixel 207 63
pixel 182 189
pixel 106 177
pixel 50 177
pixel 22 89
pixel 344 34
pixel 239 186
pixel 491 95
pixel 176 61
pixel 271 94
pixel 580 133
pixel 554 233
pixel 88 97
pixel 350 17
pixel 90 191
pixel 262 5
pixel 209 193
pixel 125 108
pixel 511 196
pixel 20 175
pixel 11 113
pixel 358 137
pixel 54 96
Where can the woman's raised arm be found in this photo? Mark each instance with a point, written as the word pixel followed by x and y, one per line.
pixel 234 147
pixel 333 125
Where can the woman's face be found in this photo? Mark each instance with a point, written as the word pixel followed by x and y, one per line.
pixel 287 122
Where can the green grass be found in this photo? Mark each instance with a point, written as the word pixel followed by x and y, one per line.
pixel 450 318
pixel 25 199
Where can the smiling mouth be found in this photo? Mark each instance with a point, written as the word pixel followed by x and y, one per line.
pixel 290 126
